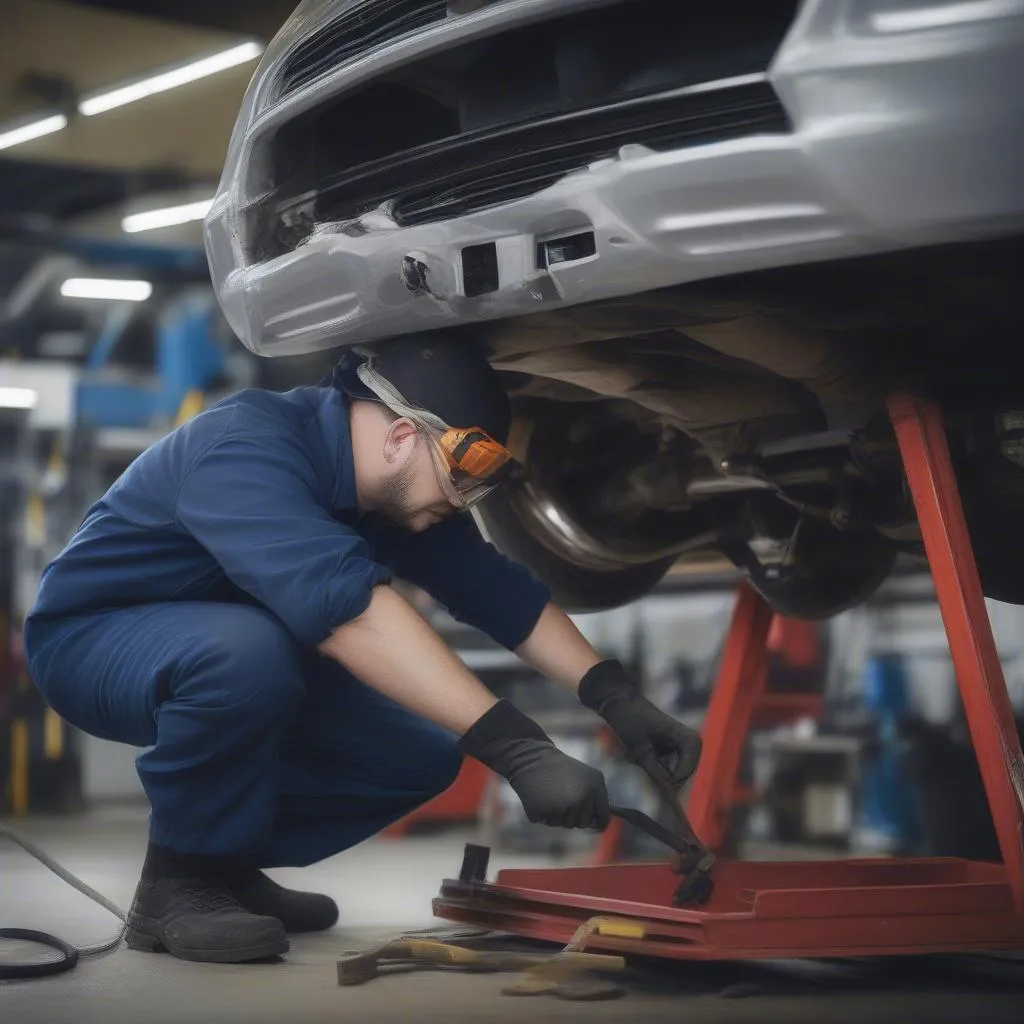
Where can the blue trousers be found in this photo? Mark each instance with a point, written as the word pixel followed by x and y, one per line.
pixel 256 746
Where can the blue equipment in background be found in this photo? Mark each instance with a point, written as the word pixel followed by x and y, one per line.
pixel 887 807
pixel 186 358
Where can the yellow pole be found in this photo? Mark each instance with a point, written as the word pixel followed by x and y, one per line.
pixel 20 757
pixel 19 767
pixel 18 778
pixel 53 735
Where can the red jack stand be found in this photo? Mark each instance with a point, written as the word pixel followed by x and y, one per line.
pixel 834 908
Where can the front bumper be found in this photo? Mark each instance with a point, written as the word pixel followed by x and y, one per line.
pixel 905 132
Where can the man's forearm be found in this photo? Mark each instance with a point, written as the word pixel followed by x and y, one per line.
pixel 393 649
pixel 557 649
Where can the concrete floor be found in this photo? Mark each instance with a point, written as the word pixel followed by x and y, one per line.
pixel 385 887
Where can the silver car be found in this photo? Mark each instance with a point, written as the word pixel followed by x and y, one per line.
pixel 703 241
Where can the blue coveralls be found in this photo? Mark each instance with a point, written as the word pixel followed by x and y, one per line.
pixel 184 615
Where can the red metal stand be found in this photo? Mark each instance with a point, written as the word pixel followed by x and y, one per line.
pixel 922 441
pixel 836 908
pixel 740 685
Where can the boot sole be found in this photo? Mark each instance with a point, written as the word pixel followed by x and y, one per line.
pixel 143 934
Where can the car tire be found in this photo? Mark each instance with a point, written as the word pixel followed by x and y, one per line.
pixel 574 587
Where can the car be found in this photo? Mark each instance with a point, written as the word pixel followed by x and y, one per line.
pixel 702 242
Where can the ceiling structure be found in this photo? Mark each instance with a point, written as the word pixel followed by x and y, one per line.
pixel 75 185
pixel 52 52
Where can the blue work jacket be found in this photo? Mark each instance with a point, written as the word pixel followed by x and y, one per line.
pixel 254 500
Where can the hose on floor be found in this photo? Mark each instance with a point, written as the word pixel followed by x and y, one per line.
pixel 69 954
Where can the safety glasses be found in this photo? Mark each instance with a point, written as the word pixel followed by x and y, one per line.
pixel 469 462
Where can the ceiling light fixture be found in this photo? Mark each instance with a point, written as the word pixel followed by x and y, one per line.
pixel 18 398
pixel 165 217
pixel 111 289
pixel 32 130
pixel 169 79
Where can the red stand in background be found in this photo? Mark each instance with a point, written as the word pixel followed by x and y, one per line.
pixel 459 803
pixel 740 686
pixel 834 908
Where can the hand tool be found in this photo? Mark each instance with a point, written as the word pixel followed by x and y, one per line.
pixel 406 954
pixel 617 927
pixel 553 977
pixel 695 859
pixel 699 861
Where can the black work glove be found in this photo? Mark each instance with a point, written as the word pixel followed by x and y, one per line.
pixel 664 748
pixel 555 789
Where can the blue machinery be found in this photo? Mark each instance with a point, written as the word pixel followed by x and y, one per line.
pixel 186 359
pixel 887 803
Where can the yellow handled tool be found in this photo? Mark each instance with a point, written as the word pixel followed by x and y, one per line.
pixel 406 953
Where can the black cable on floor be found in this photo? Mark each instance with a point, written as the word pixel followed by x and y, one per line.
pixel 70 954
pixel 44 968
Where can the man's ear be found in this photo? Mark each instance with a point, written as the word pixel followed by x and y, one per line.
pixel 402 433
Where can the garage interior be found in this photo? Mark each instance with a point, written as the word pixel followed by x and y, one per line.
pixel 859 746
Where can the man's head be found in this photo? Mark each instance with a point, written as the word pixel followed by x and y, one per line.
pixel 430 420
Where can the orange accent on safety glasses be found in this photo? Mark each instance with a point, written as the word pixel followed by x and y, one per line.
pixel 473 451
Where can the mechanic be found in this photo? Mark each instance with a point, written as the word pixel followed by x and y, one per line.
pixel 226 606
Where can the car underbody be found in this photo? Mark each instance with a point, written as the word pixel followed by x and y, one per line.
pixel 745 418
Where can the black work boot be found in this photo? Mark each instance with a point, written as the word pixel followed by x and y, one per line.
pixel 183 907
pixel 297 911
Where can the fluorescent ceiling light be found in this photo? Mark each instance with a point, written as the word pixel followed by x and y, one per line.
pixel 32 130
pixel 171 79
pixel 18 398
pixel 940 15
pixel 106 288
pixel 166 217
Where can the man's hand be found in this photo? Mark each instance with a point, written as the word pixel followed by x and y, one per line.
pixel 664 748
pixel 554 788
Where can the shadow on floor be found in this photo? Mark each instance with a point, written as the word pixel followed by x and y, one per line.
pixel 963 974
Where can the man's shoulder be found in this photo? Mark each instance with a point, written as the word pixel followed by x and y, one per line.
pixel 253 409
pixel 289 405
pixel 252 426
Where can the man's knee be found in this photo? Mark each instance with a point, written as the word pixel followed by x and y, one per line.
pixel 251 664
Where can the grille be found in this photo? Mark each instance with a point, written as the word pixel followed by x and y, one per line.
pixel 363 27
pixel 485 168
